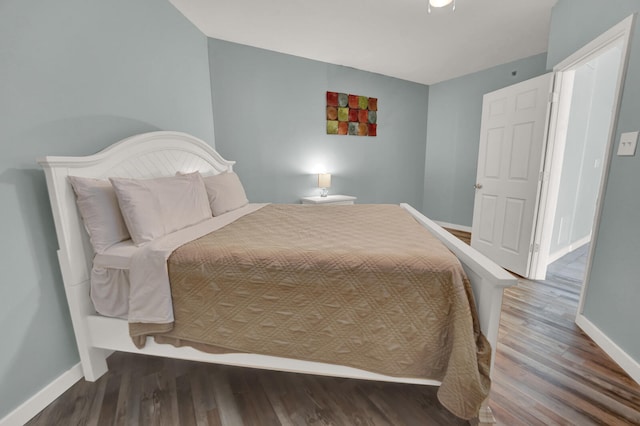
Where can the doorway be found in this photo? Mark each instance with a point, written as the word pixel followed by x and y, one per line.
pixel 587 92
pixel 564 168
pixel 593 89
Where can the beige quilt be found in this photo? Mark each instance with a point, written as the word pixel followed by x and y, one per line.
pixel 364 286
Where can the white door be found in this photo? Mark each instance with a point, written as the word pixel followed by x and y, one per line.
pixel 510 164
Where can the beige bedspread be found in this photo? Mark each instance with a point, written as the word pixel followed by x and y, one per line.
pixel 363 285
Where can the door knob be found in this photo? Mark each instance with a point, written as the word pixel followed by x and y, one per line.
pixel 477 186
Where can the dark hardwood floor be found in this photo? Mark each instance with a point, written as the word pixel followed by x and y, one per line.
pixel 547 370
pixel 547 373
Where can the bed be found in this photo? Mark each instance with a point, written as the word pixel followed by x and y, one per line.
pixel 164 153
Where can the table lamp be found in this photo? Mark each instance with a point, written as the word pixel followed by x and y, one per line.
pixel 324 183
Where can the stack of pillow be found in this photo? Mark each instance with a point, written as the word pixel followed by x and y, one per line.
pixel 145 209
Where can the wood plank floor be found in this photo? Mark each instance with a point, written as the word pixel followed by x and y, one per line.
pixel 547 370
pixel 547 373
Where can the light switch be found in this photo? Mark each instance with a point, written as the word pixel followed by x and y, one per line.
pixel 628 143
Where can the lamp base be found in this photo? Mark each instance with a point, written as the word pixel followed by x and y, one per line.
pixel 324 192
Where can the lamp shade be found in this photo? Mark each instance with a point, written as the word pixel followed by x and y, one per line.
pixel 439 3
pixel 324 180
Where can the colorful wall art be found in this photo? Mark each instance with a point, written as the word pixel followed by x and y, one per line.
pixel 351 115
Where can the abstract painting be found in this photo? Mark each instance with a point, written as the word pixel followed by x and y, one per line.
pixel 351 115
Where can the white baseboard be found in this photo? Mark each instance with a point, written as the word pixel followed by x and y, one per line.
pixel 46 396
pixel 568 249
pixel 628 364
pixel 454 226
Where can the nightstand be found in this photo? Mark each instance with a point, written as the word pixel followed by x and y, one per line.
pixel 329 199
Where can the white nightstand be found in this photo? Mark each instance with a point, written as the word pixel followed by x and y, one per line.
pixel 329 199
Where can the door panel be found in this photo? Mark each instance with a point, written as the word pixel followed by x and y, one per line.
pixel 487 218
pixel 494 153
pixel 513 221
pixel 510 158
pixel 521 151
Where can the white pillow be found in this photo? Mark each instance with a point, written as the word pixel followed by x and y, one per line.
pixel 225 192
pixel 153 208
pixel 100 212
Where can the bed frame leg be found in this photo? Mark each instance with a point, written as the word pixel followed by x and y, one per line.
pixel 94 363
pixel 485 416
pixel 94 360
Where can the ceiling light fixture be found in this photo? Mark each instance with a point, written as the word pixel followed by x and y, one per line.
pixel 440 3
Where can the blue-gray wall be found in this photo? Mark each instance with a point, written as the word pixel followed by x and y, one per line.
pixel 613 292
pixel 75 76
pixel 269 111
pixel 453 135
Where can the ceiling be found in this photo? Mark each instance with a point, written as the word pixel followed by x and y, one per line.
pixel 397 38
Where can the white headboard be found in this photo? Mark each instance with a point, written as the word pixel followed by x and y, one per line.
pixel 145 155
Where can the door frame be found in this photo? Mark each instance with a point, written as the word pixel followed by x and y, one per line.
pixel 560 108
